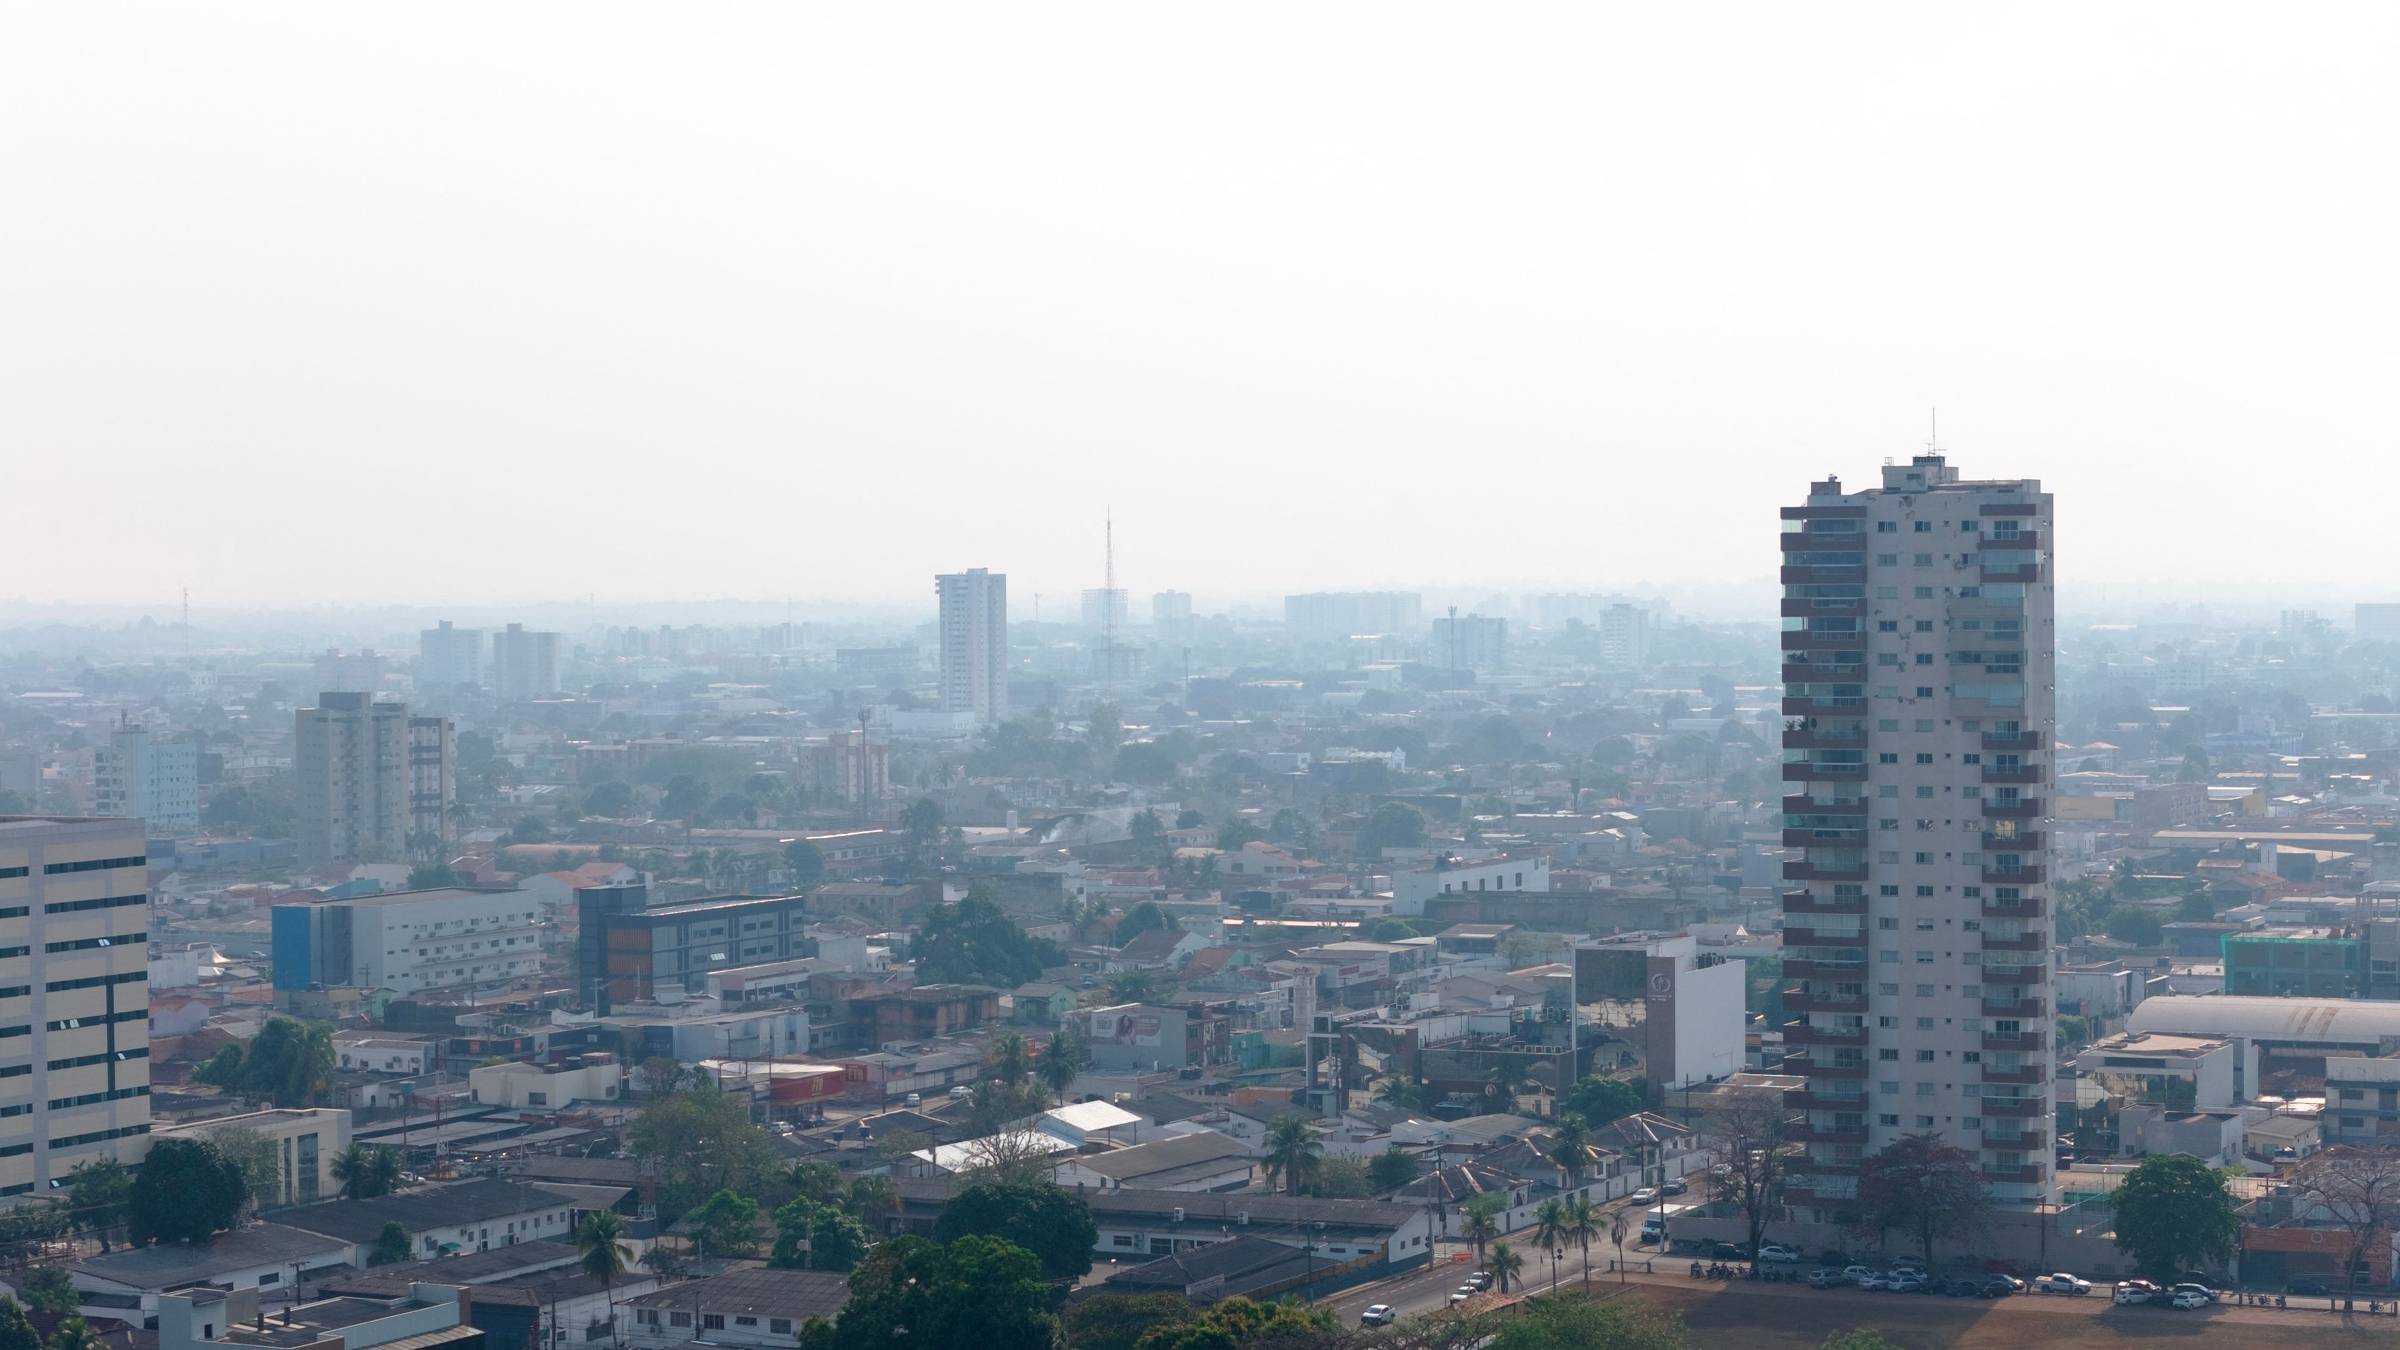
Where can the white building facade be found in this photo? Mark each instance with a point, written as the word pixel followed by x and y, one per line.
pixel 974 630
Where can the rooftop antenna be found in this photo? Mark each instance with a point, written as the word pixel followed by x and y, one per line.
pixel 1933 431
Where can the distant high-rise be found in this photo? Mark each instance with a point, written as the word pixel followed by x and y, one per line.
pixel 2375 623
pixel 1469 642
pixel 152 778
pixel 449 658
pixel 1624 637
pixel 1334 616
pixel 1918 716
pixel 974 625
pixel 432 778
pixel 524 664
pixel 350 775
pixel 349 672
pixel 1171 617
pixel 77 966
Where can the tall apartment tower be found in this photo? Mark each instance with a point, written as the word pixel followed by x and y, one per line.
pixel 974 623
pixel 432 779
pixel 350 775
pixel 150 778
pixel 1171 617
pixel 524 664
pixel 74 918
pixel 1918 716
pixel 448 658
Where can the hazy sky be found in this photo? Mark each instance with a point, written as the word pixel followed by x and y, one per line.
pixel 449 302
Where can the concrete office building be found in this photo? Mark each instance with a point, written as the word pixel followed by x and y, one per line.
pixel 359 672
pixel 524 664
pixel 1918 705
pixel 350 776
pixel 627 950
pixel 1469 642
pixel 974 625
pixel 407 942
pixel 1171 617
pixel 74 997
pixel 1624 637
pixel 449 659
pixel 154 779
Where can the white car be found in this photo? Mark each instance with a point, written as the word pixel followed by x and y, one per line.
pixel 2062 1283
pixel 1460 1295
pixel 2188 1299
pixel 1648 1195
pixel 1778 1255
pixel 1378 1315
pixel 2205 1294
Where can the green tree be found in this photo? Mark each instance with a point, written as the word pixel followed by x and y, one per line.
pixel 1582 1225
pixel 74 1334
pixel 256 1154
pixel 611 799
pixel 977 1291
pixel 18 1334
pixel 814 1236
pixel 1550 1233
pixel 1008 1059
pixel 1392 930
pixel 1048 1220
pixel 2196 908
pixel 186 1191
pixel 49 1289
pixel 684 799
pixel 1189 819
pixel 289 1063
pixel 921 824
pixel 1571 1148
pixel 805 861
pixel 1505 1264
pixel 1342 1179
pixel 1118 1321
pixel 1575 1324
pixel 431 876
pixel 1140 919
pixel 1293 1154
pixel 1857 1338
pixel 699 1141
pixel 222 1069
pixel 601 1252
pixel 98 1191
pixel 2174 1214
pixel 1238 1322
pixel 1924 1188
pixel 1063 1057
pixel 2132 923
pixel 1599 1101
pixel 726 1224
pixel 1391 825
pixel 1129 986
pixel 974 942
pixel 1481 1217
pixel 391 1246
pixel 1393 1168
pixel 367 1171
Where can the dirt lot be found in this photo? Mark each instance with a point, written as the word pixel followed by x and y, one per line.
pixel 1748 1318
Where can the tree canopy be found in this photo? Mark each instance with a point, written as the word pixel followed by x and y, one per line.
pixel 1601 1100
pixel 1392 825
pixel 974 942
pixel 2175 1214
pixel 1239 1323
pixel 701 1141
pixel 1050 1221
pixel 289 1063
pixel 186 1191
pixel 976 1291
pixel 1924 1188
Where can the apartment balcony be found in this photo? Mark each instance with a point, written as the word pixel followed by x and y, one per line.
pixel 2021 539
pixel 1996 509
pixel 2021 572
pixel 1822 513
pixel 2015 975
pixel 1823 672
pixel 1802 871
pixel 1823 574
pixel 1830 1134
pixel 1824 639
pixel 1824 970
pixel 2022 773
pixel 1823 937
pixel 1822 541
pixel 2015 1108
pixel 2024 907
pixel 2026 808
pixel 2021 1009
pixel 1800 1033
pixel 1825 705
pixel 1799 1000
pixel 1824 838
pixel 1812 806
pixel 2018 876
pixel 2013 1042
pixel 1803 771
pixel 2013 1176
pixel 2023 942
pixel 2026 1076
pixel 1820 607
pixel 2012 740
pixel 1801 1066
pixel 1801 902
pixel 2014 1143
pixel 2023 841
pixel 1824 738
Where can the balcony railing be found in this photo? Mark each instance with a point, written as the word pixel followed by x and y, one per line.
pixel 2014 975
pixel 2014 1143
pixel 1802 871
pixel 2012 740
pixel 1800 1000
pixel 1829 1134
pixel 1820 738
pixel 1823 672
pixel 1825 970
pixel 2022 1009
pixel 1801 1066
pixel 1824 838
pixel 1823 574
pixel 2023 841
pixel 1823 607
pixel 2024 808
pixel 2012 1176
pixel 2015 1108
pixel 2021 572
pixel 1801 902
pixel 1800 1033
pixel 2012 773
pixel 2021 942
pixel 2015 876
pixel 2026 1076
pixel 2023 907
pixel 2013 1042
pixel 1824 705
pixel 1824 639
pixel 1811 806
pixel 1823 937
pixel 1802 771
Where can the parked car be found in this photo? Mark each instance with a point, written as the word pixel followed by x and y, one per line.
pixel 1999 1286
pixel 1462 1294
pixel 2310 1284
pixel 1673 1188
pixel 1777 1254
pixel 2061 1282
pixel 1855 1273
pixel 2129 1292
pixel 1378 1315
pixel 1909 1265
pixel 1648 1195
pixel 1963 1288
pixel 1877 1280
pixel 1828 1279
pixel 1904 1282
pixel 2207 1295
pixel 1480 1281
pixel 1727 1251
pixel 2187 1299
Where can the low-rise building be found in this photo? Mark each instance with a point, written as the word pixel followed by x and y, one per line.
pixel 2362 1101
pixel 547 1087
pixel 470 1216
pixel 428 1317
pixel 125 1285
pixel 306 1144
pixel 1201 1161
pixel 738 1308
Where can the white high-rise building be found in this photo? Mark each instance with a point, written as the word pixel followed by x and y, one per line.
pixel 524 664
pixel 74 920
pixel 155 779
pixel 350 778
pixel 974 624
pixel 1171 617
pixel 448 658
pixel 1625 637
pixel 1918 706
pixel 1469 642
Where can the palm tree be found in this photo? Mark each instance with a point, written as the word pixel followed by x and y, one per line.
pixel 1061 1060
pixel 1619 1224
pixel 1550 1233
pixel 1482 1225
pixel 1009 1060
pixel 599 1240
pixel 1570 1148
pixel 1583 1224
pixel 1505 1265
pixel 367 1171
pixel 73 1334
pixel 1293 1154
